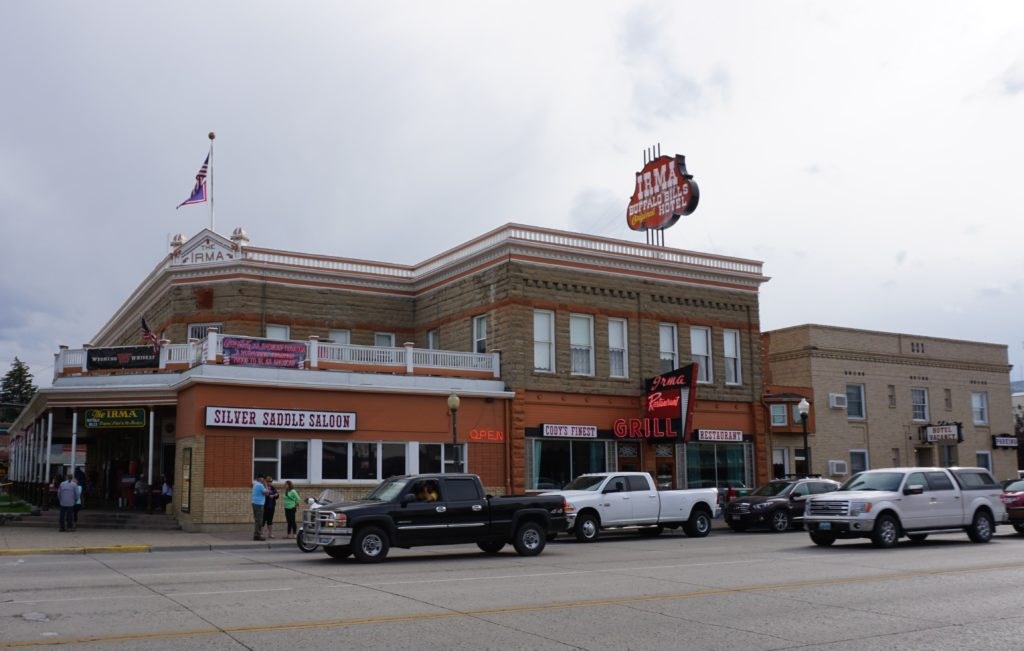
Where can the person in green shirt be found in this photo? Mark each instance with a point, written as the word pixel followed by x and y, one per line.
pixel 291 502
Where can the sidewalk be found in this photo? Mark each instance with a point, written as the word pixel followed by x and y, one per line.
pixel 19 541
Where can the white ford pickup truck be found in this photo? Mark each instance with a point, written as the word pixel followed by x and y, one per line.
pixel 631 500
pixel 889 503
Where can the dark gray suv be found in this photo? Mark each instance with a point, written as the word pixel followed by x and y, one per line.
pixel 778 505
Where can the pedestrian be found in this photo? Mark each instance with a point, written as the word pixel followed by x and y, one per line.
pixel 166 494
pixel 291 502
pixel 78 500
pixel 269 506
pixel 66 494
pixel 140 493
pixel 259 498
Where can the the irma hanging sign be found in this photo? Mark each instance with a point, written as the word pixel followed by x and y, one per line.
pixel 240 351
pixel 664 192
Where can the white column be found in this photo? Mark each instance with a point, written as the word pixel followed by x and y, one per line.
pixel 149 463
pixel 49 443
pixel 314 351
pixel 74 439
pixel 211 345
pixel 408 356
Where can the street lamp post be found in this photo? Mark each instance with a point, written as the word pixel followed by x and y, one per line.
pixel 453 407
pixel 803 408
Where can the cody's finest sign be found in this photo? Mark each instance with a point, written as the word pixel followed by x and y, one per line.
pixel 131 418
pixel 300 419
pixel 664 192
pixel 570 431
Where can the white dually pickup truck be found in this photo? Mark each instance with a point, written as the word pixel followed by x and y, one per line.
pixel 631 500
pixel 889 503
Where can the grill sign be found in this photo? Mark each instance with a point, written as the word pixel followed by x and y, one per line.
pixel 664 192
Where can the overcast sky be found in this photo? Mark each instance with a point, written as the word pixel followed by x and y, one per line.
pixel 869 154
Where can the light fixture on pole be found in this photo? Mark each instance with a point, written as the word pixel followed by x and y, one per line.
pixel 453 407
pixel 803 408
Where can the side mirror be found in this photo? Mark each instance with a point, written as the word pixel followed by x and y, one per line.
pixel 311 501
pixel 913 489
pixel 408 497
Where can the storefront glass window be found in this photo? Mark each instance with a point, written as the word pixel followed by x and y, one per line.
pixel 364 461
pixel 392 461
pixel 294 460
pixel 334 463
pixel 553 463
pixel 430 457
pixel 716 465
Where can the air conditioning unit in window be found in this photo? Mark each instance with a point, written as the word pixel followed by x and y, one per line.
pixel 837 400
pixel 837 466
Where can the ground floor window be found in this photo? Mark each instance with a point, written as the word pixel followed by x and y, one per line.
pixel 435 457
pixel 983 459
pixel 717 465
pixel 552 463
pixel 780 462
pixel 318 460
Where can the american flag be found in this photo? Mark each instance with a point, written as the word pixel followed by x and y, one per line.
pixel 199 191
pixel 149 336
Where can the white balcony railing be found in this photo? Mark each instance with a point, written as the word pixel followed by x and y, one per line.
pixel 318 355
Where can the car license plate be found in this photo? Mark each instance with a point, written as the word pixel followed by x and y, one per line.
pixel 824 526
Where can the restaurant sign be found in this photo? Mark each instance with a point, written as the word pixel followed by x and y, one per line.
pixel 720 435
pixel 664 192
pixel 670 396
pixel 294 419
pixel 122 357
pixel 242 351
pixel 115 418
pixel 570 431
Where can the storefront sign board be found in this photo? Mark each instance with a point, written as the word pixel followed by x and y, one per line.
pixel 293 419
pixel 720 435
pixel 121 357
pixel 942 433
pixel 1004 441
pixel 663 193
pixel 240 351
pixel 120 418
pixel 570 431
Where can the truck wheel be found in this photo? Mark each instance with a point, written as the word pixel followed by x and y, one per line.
pixel 529 539
pixel 779 521
pixel 339 551
pixel 1019 526
pixel 821 540
pixel 886 532
pixel 652 532
pixel 587 528
pixel 300 542
pixel 490 546
pixel 981 527
pixel 699 524
pixel 370 545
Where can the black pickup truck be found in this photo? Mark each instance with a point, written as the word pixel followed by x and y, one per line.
pixel 437 509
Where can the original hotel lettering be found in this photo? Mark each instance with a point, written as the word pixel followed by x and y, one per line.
pixel 295 419
pixel 664 192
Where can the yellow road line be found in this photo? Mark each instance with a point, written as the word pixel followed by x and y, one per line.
pixel 451 614
pixel 106 549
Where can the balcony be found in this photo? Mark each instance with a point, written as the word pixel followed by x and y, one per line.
pixel 312 355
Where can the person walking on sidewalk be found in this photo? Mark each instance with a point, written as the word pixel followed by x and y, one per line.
pixel 268 507
pixel 66 495
pixel 259 498
pixel 291 502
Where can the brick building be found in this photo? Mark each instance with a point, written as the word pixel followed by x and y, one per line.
pixel 547 338
pixel 884 399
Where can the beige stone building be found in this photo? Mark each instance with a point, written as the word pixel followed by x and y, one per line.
pixel 884 399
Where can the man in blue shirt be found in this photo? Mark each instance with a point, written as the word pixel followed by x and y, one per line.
pixel 259 498
pixel 67 494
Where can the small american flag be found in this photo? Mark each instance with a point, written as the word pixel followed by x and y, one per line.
pixel 199 191
pixel 149 337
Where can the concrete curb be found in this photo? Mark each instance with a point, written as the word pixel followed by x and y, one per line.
pixel 109 549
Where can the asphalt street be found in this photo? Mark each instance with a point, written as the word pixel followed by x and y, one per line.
pixel 746 591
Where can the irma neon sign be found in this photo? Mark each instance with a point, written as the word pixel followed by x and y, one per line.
pixel 664 192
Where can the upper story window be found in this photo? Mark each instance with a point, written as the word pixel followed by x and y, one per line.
pixel 480 334
pixel 199 330
pixel 278 332
pixel 433 339
pixel 618 361
pixel 669 355
pixel 858 461
pixel 855 401
pixel 892 396
pixel 384 339
pixel 979 407
pixel 544 341
pixel 779 418
pixel 340 336
pixel 700 351
pixel 581 343
pixel 919 404
pixel 948 396
pixel 733 370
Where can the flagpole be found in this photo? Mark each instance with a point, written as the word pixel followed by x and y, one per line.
pixel 212 136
